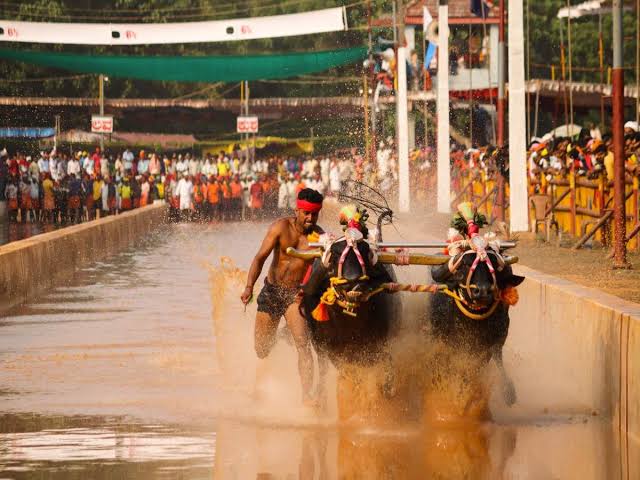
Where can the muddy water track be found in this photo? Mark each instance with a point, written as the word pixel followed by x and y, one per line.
pixel 142 366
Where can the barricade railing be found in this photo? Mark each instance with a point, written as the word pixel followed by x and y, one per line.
pixel 581 207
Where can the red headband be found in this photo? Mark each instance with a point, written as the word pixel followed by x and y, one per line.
pixel 309 206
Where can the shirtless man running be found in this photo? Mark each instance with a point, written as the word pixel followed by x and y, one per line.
pixel 279 296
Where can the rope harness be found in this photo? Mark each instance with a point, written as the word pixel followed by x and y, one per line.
pixel 478 246
pixel 349 301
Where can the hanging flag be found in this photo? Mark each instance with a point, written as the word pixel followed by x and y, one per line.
pixel 316 21
pixel 431 45
pixel 481 8
pixel 426 18
pixel 430 54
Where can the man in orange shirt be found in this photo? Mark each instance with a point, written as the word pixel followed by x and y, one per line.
pixel 236 198
pixel 213 198
pixel 199 196
pixel 256 193
pixel 225 206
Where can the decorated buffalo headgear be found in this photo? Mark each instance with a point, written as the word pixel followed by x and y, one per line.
pixel 467 221
pixel 352 216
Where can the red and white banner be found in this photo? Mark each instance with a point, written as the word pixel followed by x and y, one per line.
pixel 101 123
pixel 247 124
pixel 316 21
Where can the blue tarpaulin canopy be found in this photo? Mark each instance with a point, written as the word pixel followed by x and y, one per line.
pixel 27 132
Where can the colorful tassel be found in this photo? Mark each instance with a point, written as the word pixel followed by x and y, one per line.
pixel 320 313
pixel 510 296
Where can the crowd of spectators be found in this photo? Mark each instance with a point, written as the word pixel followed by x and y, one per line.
pixel 62 187
pixel 588 154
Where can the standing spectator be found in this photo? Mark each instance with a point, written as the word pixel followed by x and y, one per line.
pixel 334 177
pixel 154 165
pixel 73 166
pixel 144 192
pixel 127 160
pixel 48 197
pixel 97 194
pixel 126 193
pixel 184 191
pixel 256 193
pixel 213 198
pixel 11 194
pixel 34 193
pixel 43 163
pixel 143 165
pixel 75 188
pixel 199 196
pixel 97 160
pixel 25 199
pixel 34 169
pixel 236 198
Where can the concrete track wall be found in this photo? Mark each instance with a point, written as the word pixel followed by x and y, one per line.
pixel 35 263
pixel 575 350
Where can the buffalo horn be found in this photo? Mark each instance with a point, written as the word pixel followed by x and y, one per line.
pixel 304 254
pixel 414 258
pixel 510 259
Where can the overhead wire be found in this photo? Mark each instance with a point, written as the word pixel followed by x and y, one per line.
pixel 46 79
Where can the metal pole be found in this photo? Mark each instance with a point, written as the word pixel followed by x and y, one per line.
pixel 470 88
pixel 395 23
pixel 617 125
pixel 519 212
pixel 101 99
pixel 528 71
pixel 563 70
pixel 570 63
pixel 404 196
pixel 444 169
pixel 374 148
pixel 365 106
pixel 601 63
pixel 500 201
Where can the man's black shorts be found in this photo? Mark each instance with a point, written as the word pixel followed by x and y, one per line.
pixel 275 299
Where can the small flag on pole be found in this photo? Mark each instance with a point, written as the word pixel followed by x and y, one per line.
pixel 426 18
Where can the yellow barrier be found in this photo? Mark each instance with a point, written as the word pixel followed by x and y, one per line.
pixel 577 203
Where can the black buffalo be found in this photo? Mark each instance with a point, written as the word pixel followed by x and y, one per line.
pixel 482 339
pixel 359 334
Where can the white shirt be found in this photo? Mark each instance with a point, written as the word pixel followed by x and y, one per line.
pixel 334 178
pixel 283 196
pixel 73 166
pixel 194 167
pixel 184 190
pixel 181 166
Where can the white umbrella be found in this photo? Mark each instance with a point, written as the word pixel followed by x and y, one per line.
pixel 566 130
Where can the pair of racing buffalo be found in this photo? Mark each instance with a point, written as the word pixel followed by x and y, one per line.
pixel 352 309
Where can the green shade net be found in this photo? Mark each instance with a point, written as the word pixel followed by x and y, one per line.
pixel 193 69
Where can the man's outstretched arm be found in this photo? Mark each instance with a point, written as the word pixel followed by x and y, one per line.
pixel 268 244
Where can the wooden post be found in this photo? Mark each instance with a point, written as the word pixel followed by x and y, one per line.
pixel 635 209
pixel 572 198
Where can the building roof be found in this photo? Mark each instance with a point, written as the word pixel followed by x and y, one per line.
pixel 459 13
pixel 457 9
